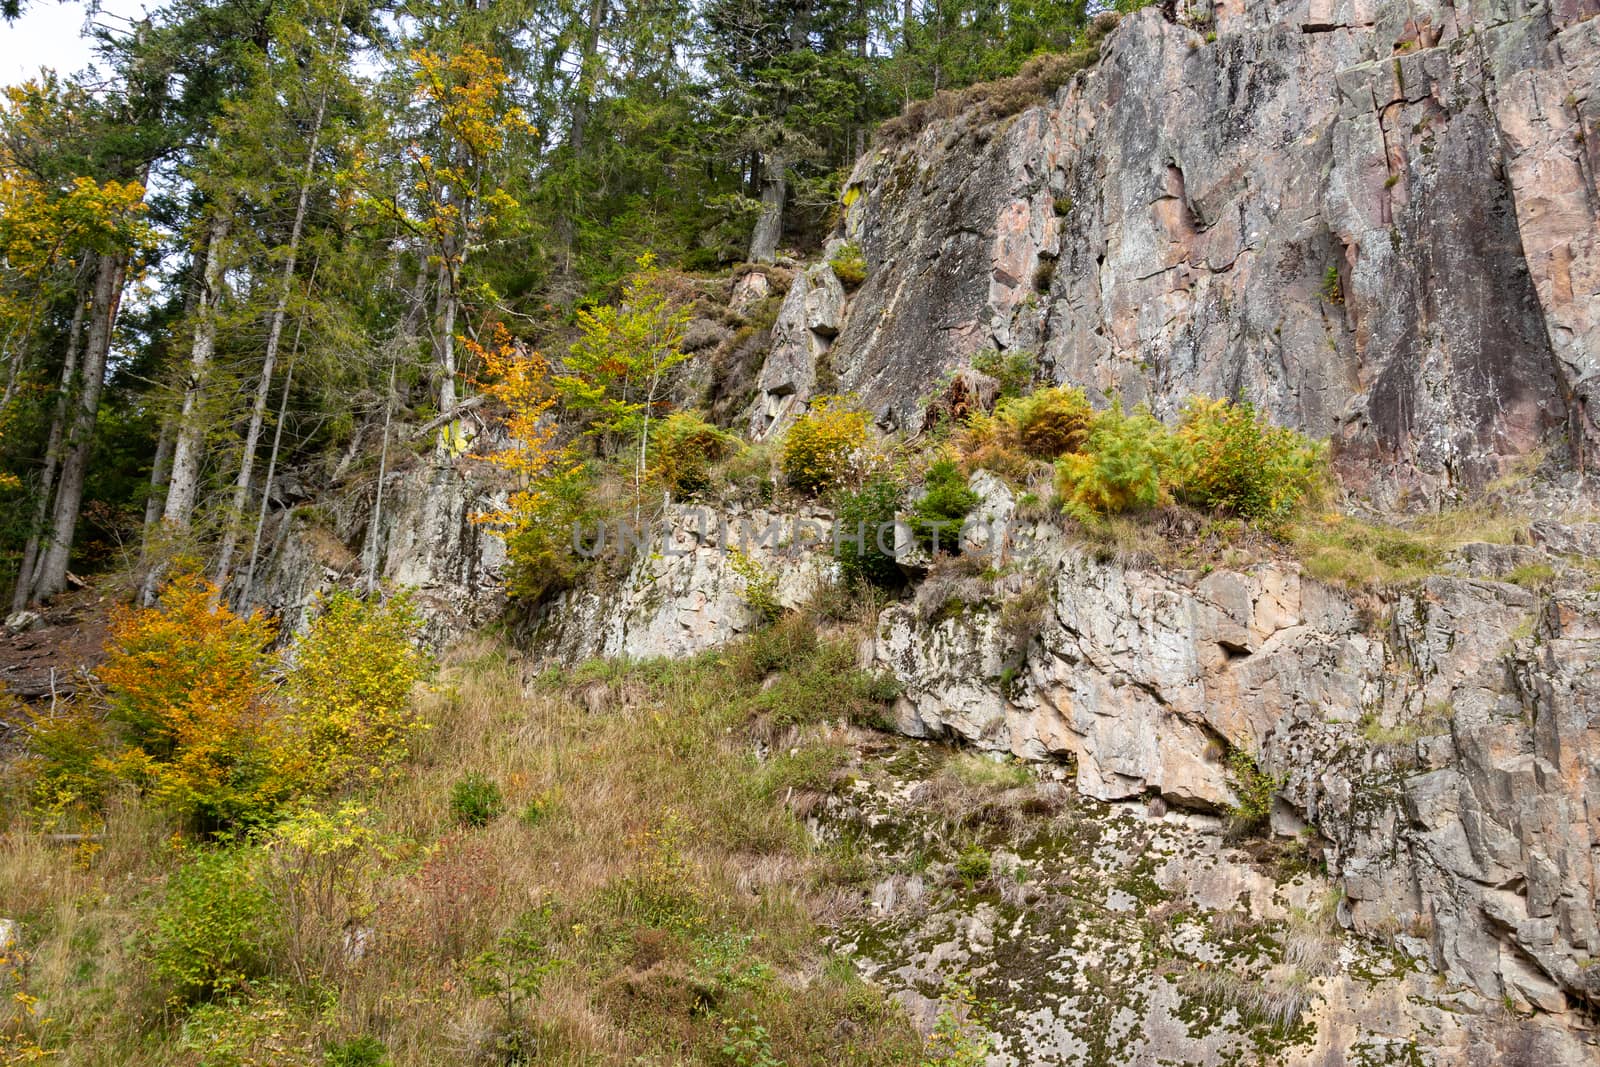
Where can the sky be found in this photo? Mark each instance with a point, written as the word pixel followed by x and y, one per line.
pixel 50 34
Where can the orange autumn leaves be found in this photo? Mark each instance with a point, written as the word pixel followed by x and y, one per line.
pixel 213 727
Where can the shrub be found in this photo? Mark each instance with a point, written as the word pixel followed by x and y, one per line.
pixel 1121 469
pixel 349 689
pixel 973 865
pixel 1013 370
pixel 937 517
pixel 1040 426
pixel 357 1052
pixel 539 550
pixel 188 682
pixel 66 768
pixel 1051 422
pixel 214 930
pixel 1231 459
pixel 475 800
pixel 866 513
pixel 760 585
pixel 849 265
pixel 989 442
pixel 1255 789
pixel 818 447
pixel 682 450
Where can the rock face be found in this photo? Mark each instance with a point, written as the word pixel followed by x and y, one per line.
pixel 1442 740
pixel 1127 934
pixel 688 589
pixel 807 322
pixel 1436 743
pixel 1379 221
pixel 427 543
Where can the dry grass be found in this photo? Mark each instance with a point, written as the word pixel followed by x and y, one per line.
pixel 647 848
pixel 990 101
pixel 1344 550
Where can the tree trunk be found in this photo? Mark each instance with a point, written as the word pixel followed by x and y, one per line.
pixel 374 526
pixel 160 468
pixel 190 442
pixel 80 434
pixel 769 225
pixel 272 467
pixel 258 411
pixel 27 572
pixel 445 344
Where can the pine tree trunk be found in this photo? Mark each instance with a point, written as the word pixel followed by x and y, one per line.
pixel 80 433
pixel 160 468
pixel 769 226
pixel 445 343
pixel 258 411
pixel 27 572
pixel 245 597
pixel 190 442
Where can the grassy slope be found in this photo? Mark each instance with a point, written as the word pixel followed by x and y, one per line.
pixel 645 896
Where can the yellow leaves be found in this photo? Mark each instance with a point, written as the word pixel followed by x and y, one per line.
pixel 518 378
pixel 349 691
pixel 466 96
pixel 817 448
pixel 211 735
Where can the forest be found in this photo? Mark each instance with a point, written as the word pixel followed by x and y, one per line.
pixel 250 230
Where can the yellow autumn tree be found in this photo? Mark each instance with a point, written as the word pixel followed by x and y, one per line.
pixel 450 190
pixel 189 685
pixel 349 691
pixel 548 487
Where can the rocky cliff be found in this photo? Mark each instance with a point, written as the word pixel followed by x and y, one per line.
pixel 1376 220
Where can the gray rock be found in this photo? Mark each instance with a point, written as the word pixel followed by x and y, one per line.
pixel 1195 198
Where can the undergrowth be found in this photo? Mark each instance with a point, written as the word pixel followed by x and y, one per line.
pixel 662 905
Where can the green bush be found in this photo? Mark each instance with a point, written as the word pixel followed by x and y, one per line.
pixel 683 447
pixel 357 1052
pixel 865 512
pixel 1122 468
pixel 1232 460
pixel 216 926
pixel 817 448
pixel 974 865
pixel 1013 370
pixel 1255 789
pixel 540 554
pixel 475 800
pixel 937 517
pixel 849 265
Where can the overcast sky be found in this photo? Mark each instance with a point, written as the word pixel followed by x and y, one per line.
pixel 50 34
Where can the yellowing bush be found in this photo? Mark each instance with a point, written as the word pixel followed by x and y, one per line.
pixel 1231 459
pixel 1043 425
pixel 1051 422
pixel 1123 466
pixel 817 449
pixel 1223 457
pixel 188 683
pixel 682 449
pixel 349 690
pixel 208 732
pixel 65 770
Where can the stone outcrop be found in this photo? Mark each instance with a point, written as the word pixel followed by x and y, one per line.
pixel 1379 221
pixel 427 543
pixel 1440 739
pixel 807 323
pixel 683 592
